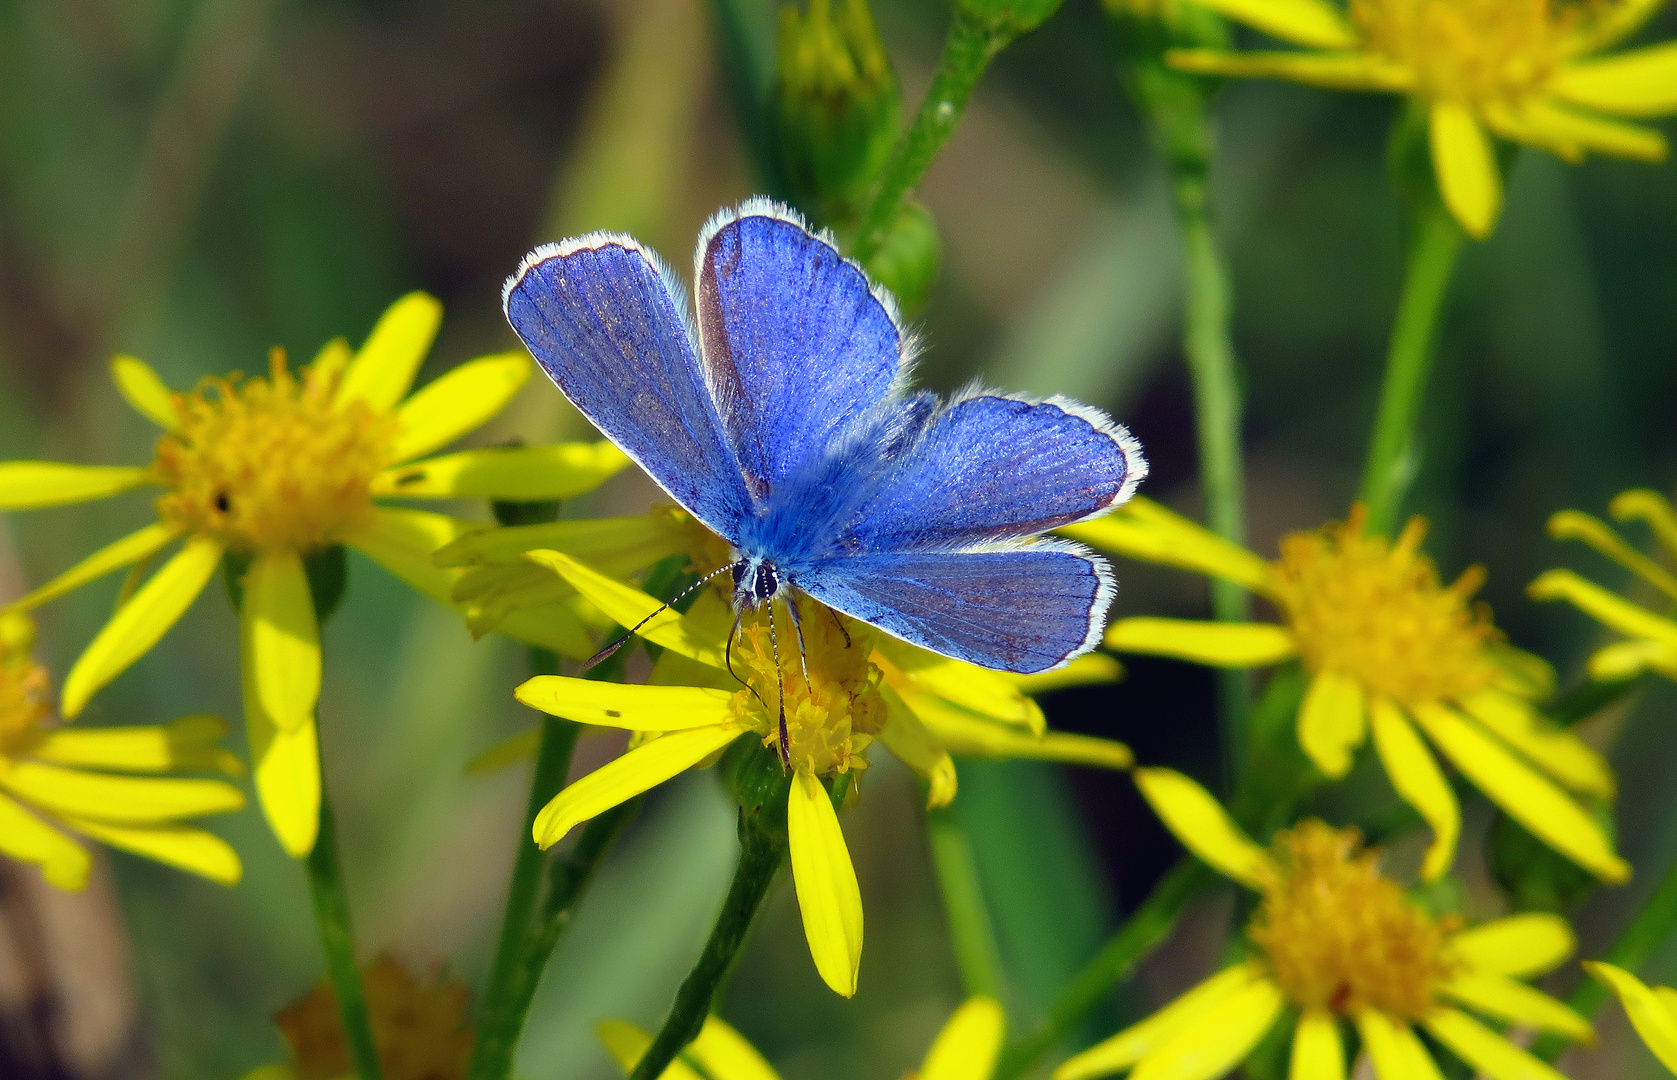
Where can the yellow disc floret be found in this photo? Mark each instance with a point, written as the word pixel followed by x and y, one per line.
pixel 23 686
pixel 1471 52
pixel 1376 612
pixel 272 464
pixel 1338 935
pixel 420 1029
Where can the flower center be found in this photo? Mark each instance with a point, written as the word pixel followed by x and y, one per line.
pixel 270 464
pixel 1375 611
pixel 23 687
pixel 1338 935
pixel 1472 52
pixel 420 1029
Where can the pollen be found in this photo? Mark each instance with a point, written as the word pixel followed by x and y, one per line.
pixel 420 1029
pixel 271 464
pixel 23 687
pixel 1376 612
pixel 1472 52
pixel 834 711
pixel 1337 934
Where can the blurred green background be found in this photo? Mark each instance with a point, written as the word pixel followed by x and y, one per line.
pixel 193 182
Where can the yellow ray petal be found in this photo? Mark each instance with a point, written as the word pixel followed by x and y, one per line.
pixel 724 1054
pixel 1642 82
pixel 458 402
pixel 26 485
pixel 1484 1049
pixel 1203 827
pixel 116 798
pixel 139 623
pixel 141 388
pixel 1613 137
pixel 1519 946
pixel 1517 1003
pixel 1090 669
pixel 1653 1020
pixel 181 846
pixel 556 628
pixel 1613 23
pixel 1650 508
pixel 282 638
pixel 626 1044
pixel 829 899
pixel 529 473
pixel 1395 1051
pixel 915 746
pixel 630 707
pixel 383 369
pixel 1223 1038
pixel 1317 1052
pixel 286 768
pixel 520 747
pixel 1553 749
pixel 967 1047
pixel 1625 659
pixel 1141 1039
pixel 1612 611
pixel 1468 176
pixel 1592 531
pixel 27 838
pixel 1416 777
pixel 188 743
pixel 1331 722
pixel 332 360
pixel 618 781
pixel 133 548
pixel 988 693
pixel 403 542
pixel 645 538
pixel 971 736
pixel 1333 71
pixel 1145 530
pixel 1311 23
pixel 628 606
pixel 1521 673
pixel 1233 645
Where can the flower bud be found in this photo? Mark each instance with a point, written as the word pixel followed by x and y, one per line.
pixel 909 256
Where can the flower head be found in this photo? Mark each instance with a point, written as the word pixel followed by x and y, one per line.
pixel 1526 70
pixel 1333 940
pixel 1392 651
pixel 107 784
pixel 1652 1010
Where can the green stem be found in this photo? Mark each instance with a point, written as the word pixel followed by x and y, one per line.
pixel 1433 248
pixel 762 850
pixel 971 45
pixel 1145 930
pixel 337 941
pixel 970 932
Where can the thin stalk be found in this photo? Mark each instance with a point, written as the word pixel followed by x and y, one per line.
pixel 1433 248
pixel 971 935
pixel 337 941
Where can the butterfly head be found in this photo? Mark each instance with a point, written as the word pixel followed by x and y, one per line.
pixel 756 582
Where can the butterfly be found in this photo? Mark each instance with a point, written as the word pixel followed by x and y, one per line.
pixel 783 420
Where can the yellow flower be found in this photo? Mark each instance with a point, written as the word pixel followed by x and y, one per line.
pixel 1333 940
pixel 421 1029
pixel 1389 649
pixel 1653 635
pixel 1652 1010
pixel 74 779
pixel 1526 70
pixel 966 1048
pixel 272 470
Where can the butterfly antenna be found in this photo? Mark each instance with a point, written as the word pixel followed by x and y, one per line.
pixel 780 677
pixel 838 622
pixel 606 653
pixel 728 661
pixel 803 653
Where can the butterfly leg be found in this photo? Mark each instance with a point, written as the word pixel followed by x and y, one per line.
pixel 780 678
pixel 838 622
pixel 798 626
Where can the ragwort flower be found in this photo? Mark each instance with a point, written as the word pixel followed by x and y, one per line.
pixel 1652 1010
pixel 108 784
pixel 1388 649
pixel 1526 70
pixel 1333 939
pixel 269 471
pixel 966 1048
pixel 1652 644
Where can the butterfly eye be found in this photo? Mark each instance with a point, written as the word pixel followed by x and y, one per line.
pixel 740 569
pixel 767 583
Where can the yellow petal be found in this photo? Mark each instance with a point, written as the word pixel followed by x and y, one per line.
pixel 520 747
pixel 1612 23
pixel 287 773
pixel 630 707
pixel 133 548
pixel 989 693
pixel 1642 82
pixel 26 485
pixel 1416 777
pixel 1311 23
pixel 1613 137
pixel 1317 1052
pixel 1484 1049
pixel 1141 1039
pixel 188 743
pixel 1521 673
pixel 628 606
pixel 458 402
pixel 1626 659
pixel 1517 1003
pixel 1395 1051
pixel 828 897
pixel 555 628
pixel 139 623
pixel 25 837
pixel 146 799
pixel 141 388
pixel 1145 530
pixel 1524 794
pixel 1553 749
pixel 383 369
pixel 1233 645
pixel 1468 176
pixel 967 1047
pixel 1651 1017
pixel 724 1054
pixel 282 639
pixel 1590 530
pixel 626 1043
pixel 618 781
pixel 1090 669
pixel 526 473
pixel 194 850
pixel 1520 946
pixel 1201 824
pixel 1652 509
pixel 971 736
pixel 1222 1039
pixel 1331 723
pixel 404 541
pixel 332 360
pixel 1606 608
pixel 640 540
pixel 915 746
pixel 1334 71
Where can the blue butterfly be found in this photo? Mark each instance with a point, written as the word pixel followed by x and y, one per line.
pixel 783 421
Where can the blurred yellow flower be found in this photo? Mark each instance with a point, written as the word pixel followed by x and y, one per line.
pixel 1335 940
pixel 966 1048
pixel 1388 649
pixel 1526 70
pixel 73 779
pixel 272 470
pixel 1652 1010
pixel 1653 634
